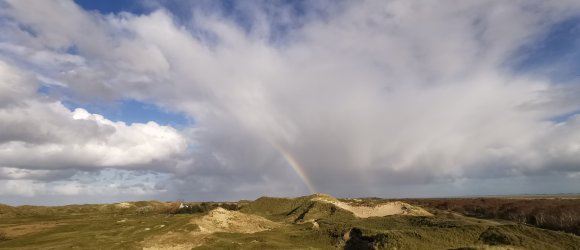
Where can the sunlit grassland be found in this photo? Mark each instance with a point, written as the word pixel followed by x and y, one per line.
pixel 157 224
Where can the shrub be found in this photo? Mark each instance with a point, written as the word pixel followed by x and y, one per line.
pixel 555 214
pixel 494 237
pixel 3 236
pixel 145 210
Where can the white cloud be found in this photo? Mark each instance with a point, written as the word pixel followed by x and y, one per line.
pixel 368 94
pixel 31 188
pixel 39 133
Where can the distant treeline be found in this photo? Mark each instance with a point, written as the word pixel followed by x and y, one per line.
pixel 554 213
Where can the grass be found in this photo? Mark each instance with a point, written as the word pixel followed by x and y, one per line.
pixel 113 227
pixel 89 231
pixel 3 236
pixel 292 236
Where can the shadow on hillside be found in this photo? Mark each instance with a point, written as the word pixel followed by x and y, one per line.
pixel 355 240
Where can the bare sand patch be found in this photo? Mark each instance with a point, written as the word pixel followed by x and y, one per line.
pixel 222 220
pixel 175 241
pixel 380 210
pixel 124 205
pixel 217 220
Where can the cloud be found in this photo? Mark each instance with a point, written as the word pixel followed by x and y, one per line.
pixel 39 133
pixel 363 95
pixel 81 188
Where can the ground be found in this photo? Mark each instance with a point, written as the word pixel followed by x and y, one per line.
pixel 310 222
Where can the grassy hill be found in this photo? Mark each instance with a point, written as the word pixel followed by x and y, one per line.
pixel 309 222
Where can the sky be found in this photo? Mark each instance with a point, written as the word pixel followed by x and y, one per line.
pixel 109 101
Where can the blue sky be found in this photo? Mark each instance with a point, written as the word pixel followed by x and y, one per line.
pixel 553 55
pixel 108 6
pixel 226 100
pixel 132 111
pixel 125 110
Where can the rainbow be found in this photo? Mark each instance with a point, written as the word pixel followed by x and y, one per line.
pixel 296 166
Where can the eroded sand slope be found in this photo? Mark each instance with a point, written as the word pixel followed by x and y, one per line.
pixel 380 210
pixel 222 220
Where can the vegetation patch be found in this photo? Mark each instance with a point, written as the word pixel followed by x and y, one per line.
pixel 3 236
pixel 492 236
pixel 553 213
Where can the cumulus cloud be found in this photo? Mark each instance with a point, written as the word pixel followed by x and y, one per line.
pixel 39 133
pixel 361 95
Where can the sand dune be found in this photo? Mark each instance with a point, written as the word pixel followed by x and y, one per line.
pixel 222 220
pixel 384 209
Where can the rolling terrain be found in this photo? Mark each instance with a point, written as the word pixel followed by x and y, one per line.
pixel 309 222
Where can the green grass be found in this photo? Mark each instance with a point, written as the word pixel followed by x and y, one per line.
pixel 92 231
pixel 288 237
pixel 111 227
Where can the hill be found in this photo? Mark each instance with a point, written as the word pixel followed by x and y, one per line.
pixel 310 222
pixel 320 206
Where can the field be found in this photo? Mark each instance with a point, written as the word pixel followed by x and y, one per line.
pixel 310 222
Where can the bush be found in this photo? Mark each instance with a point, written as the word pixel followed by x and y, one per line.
pixel 3 236
pixel 554 213
pixel 145 210
pixel 494 237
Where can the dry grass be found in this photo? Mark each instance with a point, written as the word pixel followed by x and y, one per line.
pixel 267 223
pixel 19 230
